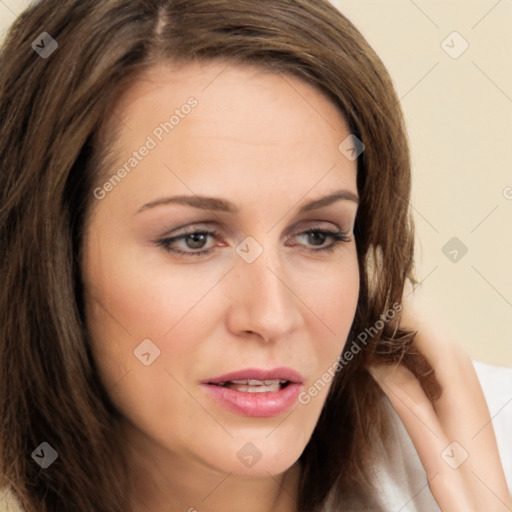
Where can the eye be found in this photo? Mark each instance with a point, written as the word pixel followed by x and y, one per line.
pixel 193 243
pixel 315 237
pixel 195 240
pixel 198 242
pixel 321 239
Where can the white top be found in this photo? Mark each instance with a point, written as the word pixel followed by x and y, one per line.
pixel 496 382
pixel 400 477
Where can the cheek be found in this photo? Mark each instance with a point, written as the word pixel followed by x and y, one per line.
pixel 335 299
pixel 332 294
pixel 332 300
pixel 147 299
pixel 145 329
pixel 130 301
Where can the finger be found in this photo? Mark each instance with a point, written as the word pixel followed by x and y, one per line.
pixel 420 420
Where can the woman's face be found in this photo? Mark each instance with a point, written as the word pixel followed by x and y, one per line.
pixel 222 252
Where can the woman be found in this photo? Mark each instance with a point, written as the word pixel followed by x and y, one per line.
pixel 206 230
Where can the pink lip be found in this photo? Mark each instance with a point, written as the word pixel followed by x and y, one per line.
pixel 282 373
pixel 256 404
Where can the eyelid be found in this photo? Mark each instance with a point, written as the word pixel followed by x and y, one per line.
pixel 317 225
pixel 339 235
pixel 191 227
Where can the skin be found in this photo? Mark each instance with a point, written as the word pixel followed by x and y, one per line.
pixel 268 144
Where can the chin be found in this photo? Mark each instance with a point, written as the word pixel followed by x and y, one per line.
pixel 259 455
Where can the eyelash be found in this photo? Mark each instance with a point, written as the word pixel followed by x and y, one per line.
pixel 338 237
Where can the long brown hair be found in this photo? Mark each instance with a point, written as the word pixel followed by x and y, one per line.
pixel 52 111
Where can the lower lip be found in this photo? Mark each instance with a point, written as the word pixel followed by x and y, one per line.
pixel 270 403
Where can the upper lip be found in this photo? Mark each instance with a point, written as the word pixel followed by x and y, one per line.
pixel 281 373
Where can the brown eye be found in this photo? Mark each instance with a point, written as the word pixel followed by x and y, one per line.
pixel 196 240
pixel 316 240
pixel 316 237
pixel 193 243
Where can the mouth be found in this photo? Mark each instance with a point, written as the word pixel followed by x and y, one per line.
pixel 255 392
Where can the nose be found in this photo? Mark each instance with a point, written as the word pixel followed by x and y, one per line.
pixel 262 301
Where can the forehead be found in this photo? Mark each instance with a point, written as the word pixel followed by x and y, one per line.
pixel 228 83
pixel 248 127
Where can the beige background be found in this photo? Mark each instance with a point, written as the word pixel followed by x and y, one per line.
pixel 459 115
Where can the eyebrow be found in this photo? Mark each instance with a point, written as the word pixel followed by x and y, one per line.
pixel 221 205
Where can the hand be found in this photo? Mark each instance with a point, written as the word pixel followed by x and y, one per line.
pixel 453 435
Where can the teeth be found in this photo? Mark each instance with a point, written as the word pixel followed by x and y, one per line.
pixel 254 385
pixel 258 388
pixel 254 382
